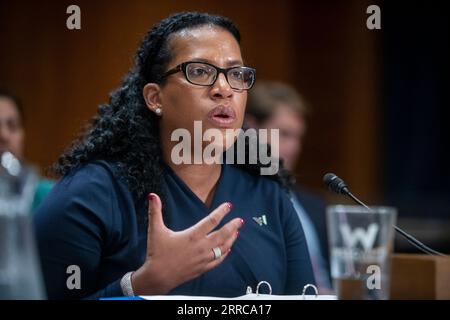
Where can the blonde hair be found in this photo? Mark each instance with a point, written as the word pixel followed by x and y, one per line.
pixel 267 96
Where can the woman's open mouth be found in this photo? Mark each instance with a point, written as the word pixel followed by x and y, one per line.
pixel 222 116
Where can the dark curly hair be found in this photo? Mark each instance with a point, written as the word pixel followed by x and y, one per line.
pixel 125 131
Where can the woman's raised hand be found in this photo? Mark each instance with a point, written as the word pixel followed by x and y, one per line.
pixel 176 257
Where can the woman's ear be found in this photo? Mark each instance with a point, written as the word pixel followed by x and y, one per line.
pixel 151 93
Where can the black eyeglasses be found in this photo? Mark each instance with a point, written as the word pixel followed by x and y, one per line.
pixel 205 74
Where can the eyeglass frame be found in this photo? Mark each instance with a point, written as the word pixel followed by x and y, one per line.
pixel 183 68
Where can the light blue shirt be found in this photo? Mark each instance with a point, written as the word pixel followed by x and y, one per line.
pixel 313 244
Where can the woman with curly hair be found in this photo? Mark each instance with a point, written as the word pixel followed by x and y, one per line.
pixel 131 221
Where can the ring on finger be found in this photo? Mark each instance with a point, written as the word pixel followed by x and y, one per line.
pixel 217 252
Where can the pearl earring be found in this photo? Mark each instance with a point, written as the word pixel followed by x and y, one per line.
pixel 158 111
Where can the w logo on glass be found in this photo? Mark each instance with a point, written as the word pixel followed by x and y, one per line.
pixel 359 235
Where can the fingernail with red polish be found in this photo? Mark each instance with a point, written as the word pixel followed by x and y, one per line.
pixel 151 196
pixel 229 205
pixel 242 221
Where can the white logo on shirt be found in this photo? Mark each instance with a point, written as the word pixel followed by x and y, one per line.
pixel 261 220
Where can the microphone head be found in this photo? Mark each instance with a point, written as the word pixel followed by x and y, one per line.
pixel 335 184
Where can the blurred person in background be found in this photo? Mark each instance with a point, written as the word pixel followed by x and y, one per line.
pixel 12 138
pixel 275 105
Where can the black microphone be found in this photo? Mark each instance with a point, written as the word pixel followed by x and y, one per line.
pixel 337 185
